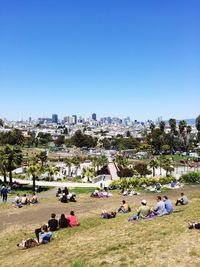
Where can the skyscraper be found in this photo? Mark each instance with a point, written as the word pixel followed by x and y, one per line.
pixel 74 119
pixel 54 118
pixel 94 116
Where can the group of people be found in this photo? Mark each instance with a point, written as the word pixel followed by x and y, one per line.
pixel 44 234
pixel 99 194
pixel 65 196
pixel 162 207
pixel 25 200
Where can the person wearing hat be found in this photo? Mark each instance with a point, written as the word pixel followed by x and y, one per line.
pixel 142 212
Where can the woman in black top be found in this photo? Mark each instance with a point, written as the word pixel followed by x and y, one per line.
pixel 63 222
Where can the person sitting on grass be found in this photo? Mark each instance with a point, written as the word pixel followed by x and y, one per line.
pixel 193 225
pixel 53 223
pixel 33 199
pixel 159 209
pixel 107 215
pixel 71 197
pixel 142 212
pixel 63 198
pixel 63 222
pixel 125 208
pixel 168 205
pixel 45 236
pixel 72 219
pixel 59 192
pixel 17 201
pixel 183 200
pixel 25 200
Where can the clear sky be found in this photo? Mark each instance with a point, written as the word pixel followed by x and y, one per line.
pixel 115 58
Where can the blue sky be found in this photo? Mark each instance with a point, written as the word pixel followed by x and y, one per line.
pixel 115 58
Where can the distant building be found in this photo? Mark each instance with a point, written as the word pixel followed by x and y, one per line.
pixel 94 116
pixel 54 118
pixel 74 119
pixel 68 119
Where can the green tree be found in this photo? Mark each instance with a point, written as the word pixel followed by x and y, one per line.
pixel 172 124
pixel 1 123
pixel 121 161
pixel 167 165
pixel 34 170
pixel 154 164
pixel 68 163
pixel 198 127
pixel 152 127
pixel 42 156
pixel 162 126
pixel 3 165
pixel 142 169
pixel 13 159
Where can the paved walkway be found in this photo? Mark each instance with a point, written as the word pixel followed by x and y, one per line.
pixel 54 184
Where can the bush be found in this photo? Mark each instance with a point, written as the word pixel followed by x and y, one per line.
pixel 191 177
pixel 138 182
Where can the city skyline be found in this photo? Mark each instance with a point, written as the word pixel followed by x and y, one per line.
pixel 112 58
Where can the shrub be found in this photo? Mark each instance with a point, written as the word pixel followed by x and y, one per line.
pixel 191 177
pixel 138 182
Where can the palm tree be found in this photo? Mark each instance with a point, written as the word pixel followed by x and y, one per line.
pixel 76 162
pixel 34 170
pixel 121 161
pixel 51 171
pixel 13 159
pixel 103 160
pixel 95 163
pixel 198 127
pixel 43 157
pixel 89 173
pixel 162 126
pixel 167 165
pixel 152 127
pixel 68 164
pixel 172 124
pixel 154 164
pixel 3 165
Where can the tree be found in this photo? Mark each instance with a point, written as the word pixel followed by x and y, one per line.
pixel 172 124
pixel 121 161
pixel 103 160
pixel 89 173
pixel 162 126
pixel 13 159
pixel 167 165
pixel 60 140
pixel 68 164
pixel 182 125
pixel 34 170
pixel 142 169
pixel 3 165
pixel 1 123
pixel 152 127
pixel 76 162
pixel 82 140
pixel 154 164
pixel 198 127
pixel 42 156
pixel 51 170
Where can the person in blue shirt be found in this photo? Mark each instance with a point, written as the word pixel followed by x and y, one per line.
pixel 45 236
pixel 168 205
pixel 4 194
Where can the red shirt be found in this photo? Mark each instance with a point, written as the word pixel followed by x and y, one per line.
pixel 72 220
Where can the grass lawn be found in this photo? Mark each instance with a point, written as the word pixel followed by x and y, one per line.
pixel 27 190
pixel 164 241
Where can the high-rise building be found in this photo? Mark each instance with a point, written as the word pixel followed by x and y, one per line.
pixel 94 116
pixel 74 119
pixel 54 118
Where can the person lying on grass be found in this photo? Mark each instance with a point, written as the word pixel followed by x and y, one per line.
pixel 106 215
pixel 44 237
pixel 193 225
pixel 142 212
pixel 125 208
